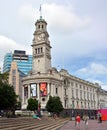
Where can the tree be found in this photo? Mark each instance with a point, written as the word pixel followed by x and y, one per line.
pixel 8 98
pixel 4 78
pixel 54 104
pixel 32 104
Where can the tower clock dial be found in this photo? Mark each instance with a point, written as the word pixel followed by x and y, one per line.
pixel 41 37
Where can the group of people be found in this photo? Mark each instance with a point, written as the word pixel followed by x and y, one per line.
pixel 85 119
pixel 78 119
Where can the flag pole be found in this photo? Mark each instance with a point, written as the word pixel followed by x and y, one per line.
pixel 40 10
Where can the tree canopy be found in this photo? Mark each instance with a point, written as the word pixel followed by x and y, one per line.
pixel 32 104
pixel 8 97
pixel 4 78
pixel 54 104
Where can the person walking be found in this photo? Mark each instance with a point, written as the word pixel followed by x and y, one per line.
pixel 77 122
pixel 100 117
pixel 54 116
pixel 85 119
pixel 35 116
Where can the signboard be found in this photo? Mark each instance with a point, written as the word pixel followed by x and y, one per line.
pixel 43 89
pixel 33 88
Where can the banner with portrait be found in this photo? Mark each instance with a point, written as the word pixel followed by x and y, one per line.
pixel 43 89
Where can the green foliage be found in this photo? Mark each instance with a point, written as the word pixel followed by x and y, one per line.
pixel 18 105
pixel 32 104
pixel 4 78
pixel 8 97
pixel 50 104
pixel 54 104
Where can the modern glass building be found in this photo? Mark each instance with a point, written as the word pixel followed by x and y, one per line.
pixel 23 60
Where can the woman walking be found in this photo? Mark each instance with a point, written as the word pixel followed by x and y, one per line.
pixel 85 119
pixel 77 122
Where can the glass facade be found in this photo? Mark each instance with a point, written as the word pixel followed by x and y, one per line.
pixel 24 61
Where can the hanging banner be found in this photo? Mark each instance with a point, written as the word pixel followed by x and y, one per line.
pixel 33 88
pixel 26 91
pixel 43 89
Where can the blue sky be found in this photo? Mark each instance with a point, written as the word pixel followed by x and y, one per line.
pixel 77 29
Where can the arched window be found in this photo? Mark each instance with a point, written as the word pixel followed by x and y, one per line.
pixel 42 26
pixel 39 26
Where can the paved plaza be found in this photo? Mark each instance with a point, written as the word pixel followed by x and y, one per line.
pixel 28 123
pixel 92 125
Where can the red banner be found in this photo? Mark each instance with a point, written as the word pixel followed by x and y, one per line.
pixel 43 89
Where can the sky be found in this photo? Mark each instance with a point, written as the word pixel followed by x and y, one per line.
pixel 77 32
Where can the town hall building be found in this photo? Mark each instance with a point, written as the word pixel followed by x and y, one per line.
pixel 44 80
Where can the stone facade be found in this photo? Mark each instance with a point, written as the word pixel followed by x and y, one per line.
pixel 45 80
pixel 15 78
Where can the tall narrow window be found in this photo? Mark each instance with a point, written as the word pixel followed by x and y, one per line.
pixel 39 26
pixel 65 91
pixel 41 50
pixel 72 93
pixel 76 92
pixel 38 50
pixel 42 26
pixel 56 90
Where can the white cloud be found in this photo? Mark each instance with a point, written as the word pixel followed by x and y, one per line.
pixel 93 69
pixel 95 73
pixel 102 84
pixel 62 21
pixel 63 18
pixel 60 17
pixel 27 13
pixel 8 45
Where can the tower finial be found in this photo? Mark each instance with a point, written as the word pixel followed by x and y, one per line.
pixel 40 9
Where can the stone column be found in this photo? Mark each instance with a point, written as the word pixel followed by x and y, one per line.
pixel 29 91
pixel 23 95
pixel 38 91
pixel 48 90
pixel 52 91
pixel 62 96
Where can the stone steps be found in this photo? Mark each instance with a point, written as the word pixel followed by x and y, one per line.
pixel 50 126
pixel 29 123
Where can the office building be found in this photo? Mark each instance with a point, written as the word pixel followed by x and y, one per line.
pixel 24 61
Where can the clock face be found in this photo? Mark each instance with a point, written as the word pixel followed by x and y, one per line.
pixel 39 37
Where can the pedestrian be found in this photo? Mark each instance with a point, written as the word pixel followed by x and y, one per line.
pixel 54 116
pixel 77 122
pixel 35 116
pixel 85 119
pixel 99 117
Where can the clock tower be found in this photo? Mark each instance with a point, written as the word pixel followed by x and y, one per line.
pixel 41 48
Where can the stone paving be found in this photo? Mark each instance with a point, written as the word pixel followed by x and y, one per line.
pixel 92 125
pixel 48 124
pixel 28 123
